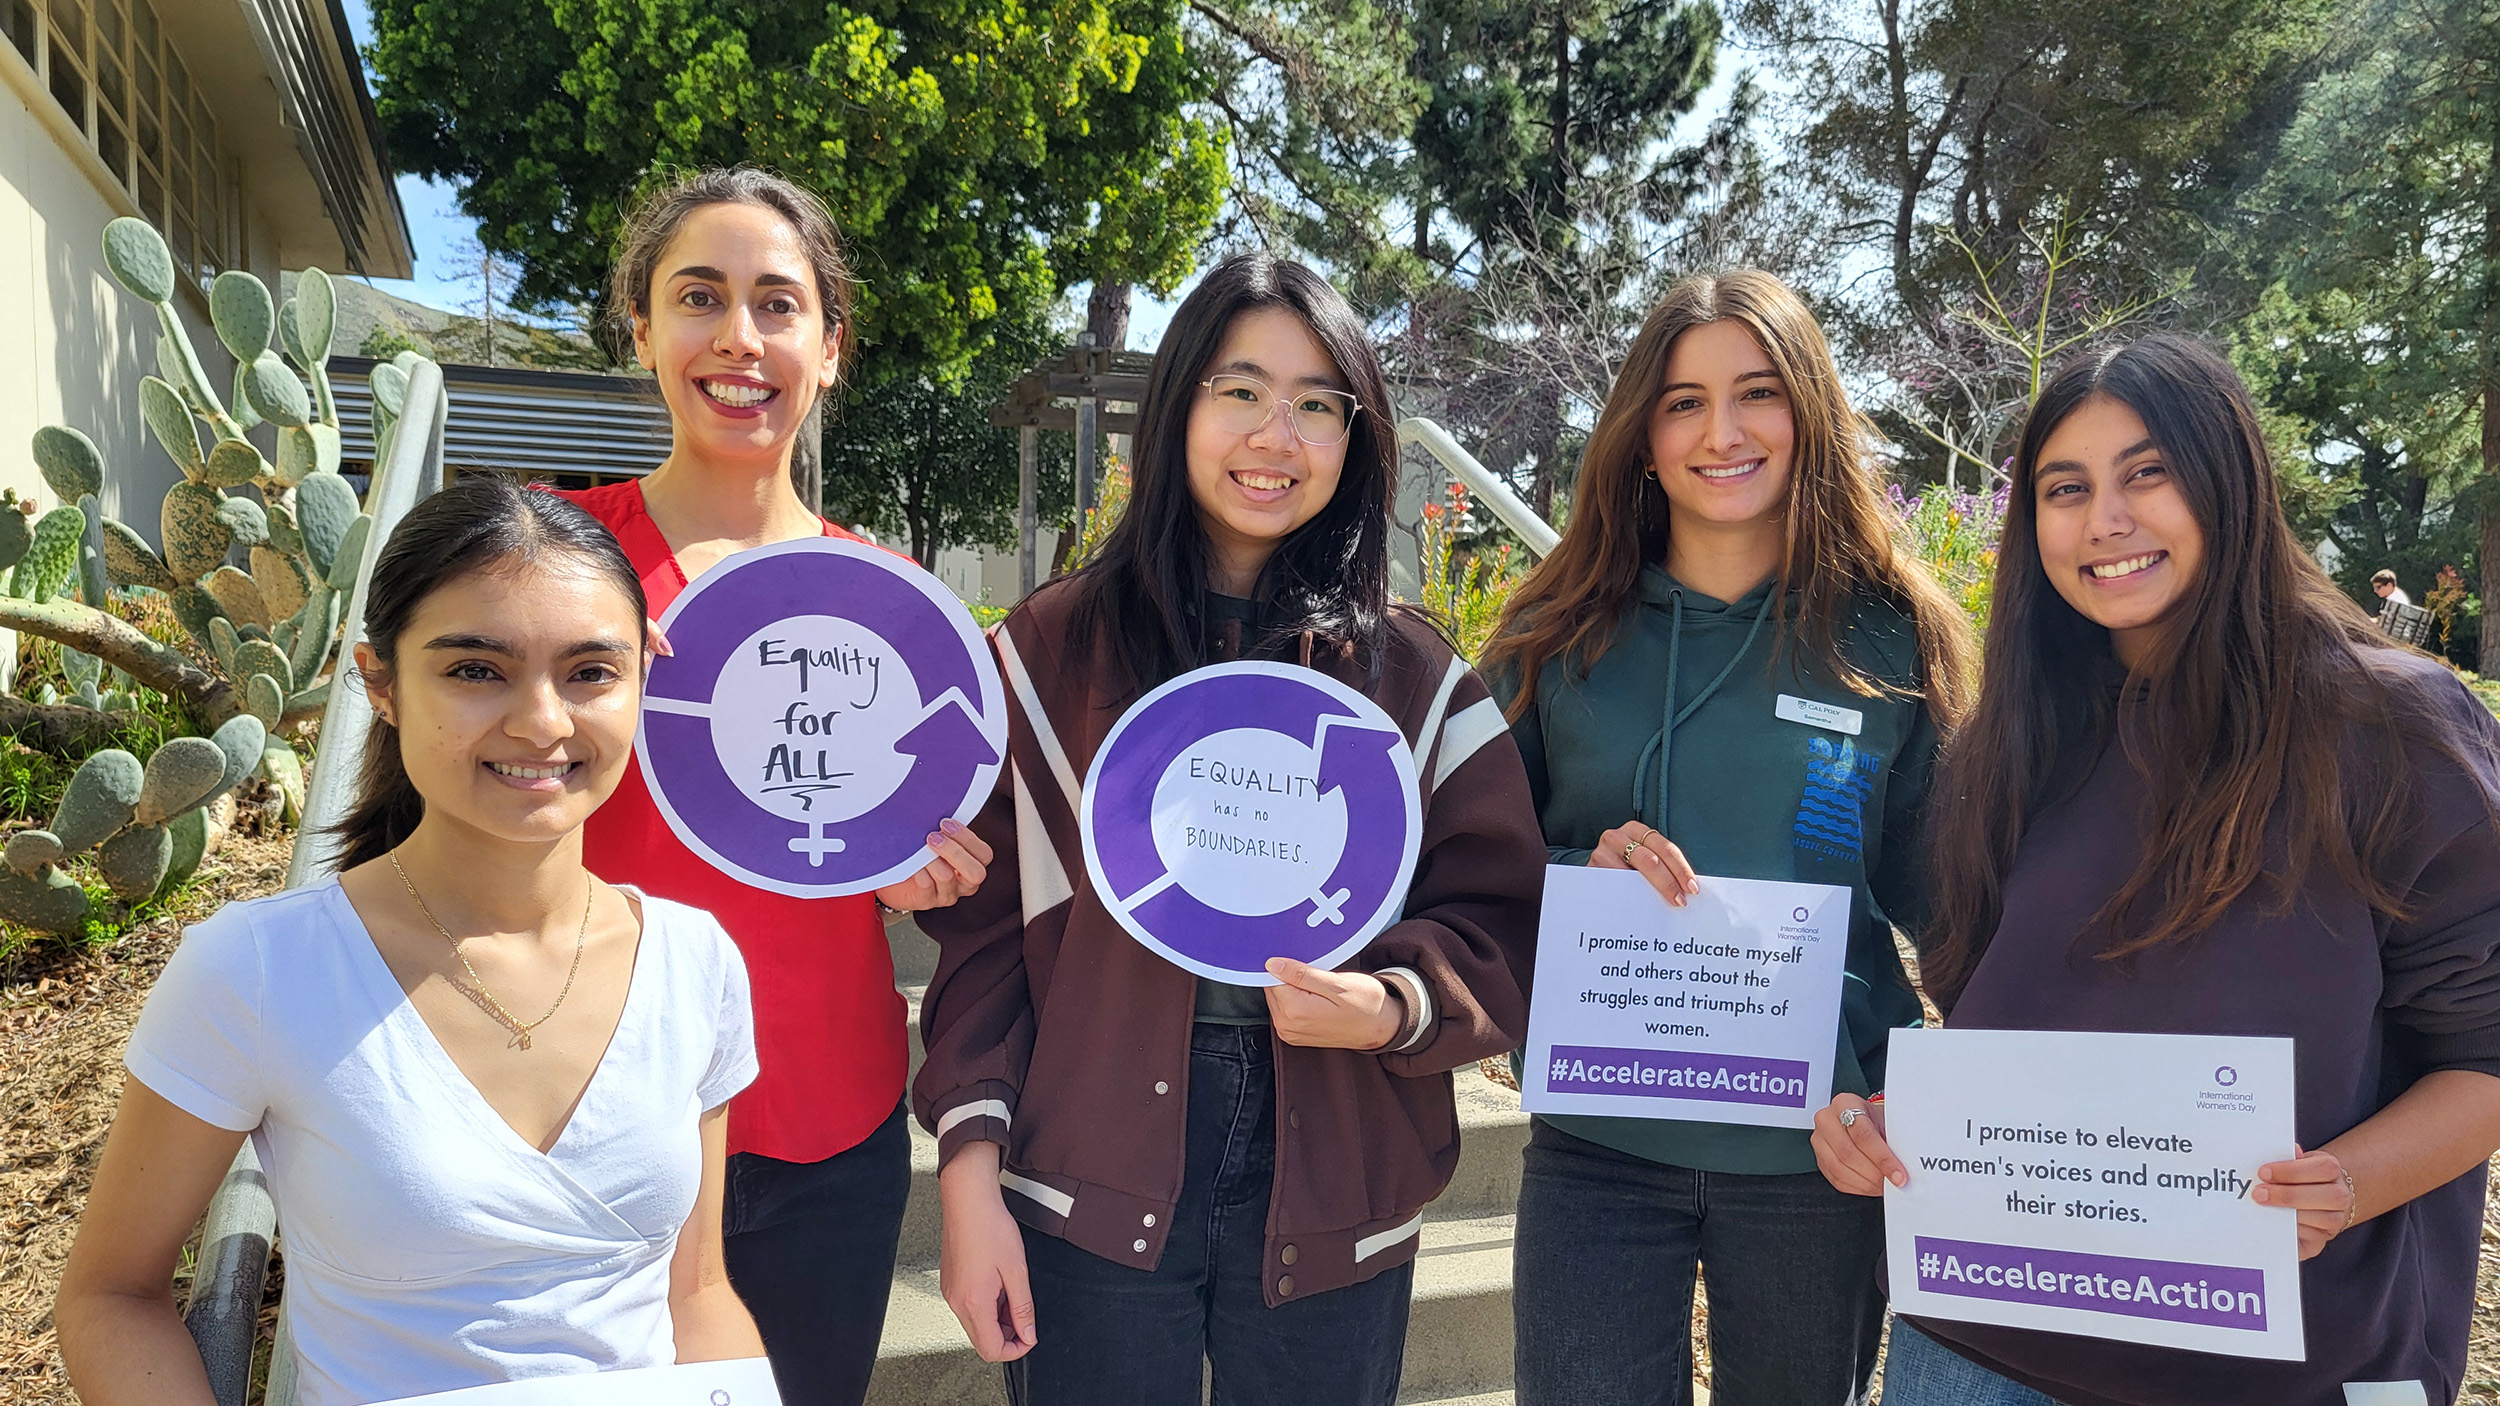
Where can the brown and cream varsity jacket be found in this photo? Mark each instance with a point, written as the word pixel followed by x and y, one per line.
pixel 1061 1038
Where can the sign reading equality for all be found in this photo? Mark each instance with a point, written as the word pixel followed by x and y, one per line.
pixel 826 706
pixel 1726 1010
pixel 745 1381
pixel 1252 810
pixel 2094 1184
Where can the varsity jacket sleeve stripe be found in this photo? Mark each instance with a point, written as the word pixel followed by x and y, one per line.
pixel 1468 937
pixel 977 1017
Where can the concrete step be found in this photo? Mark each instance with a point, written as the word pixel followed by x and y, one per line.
pixel 1491 1132
pixel 1457 1342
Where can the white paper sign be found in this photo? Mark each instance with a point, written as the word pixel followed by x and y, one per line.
pixel 2094 1184
pixel 1726 1010
pixel 746 1381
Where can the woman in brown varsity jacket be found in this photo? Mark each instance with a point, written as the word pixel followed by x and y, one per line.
pixel 1145 1171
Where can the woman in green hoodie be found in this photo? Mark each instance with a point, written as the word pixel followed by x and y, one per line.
pixel 1725 668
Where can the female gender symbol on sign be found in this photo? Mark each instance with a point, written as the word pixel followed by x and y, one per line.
pixel 1252 810
pixel 827 705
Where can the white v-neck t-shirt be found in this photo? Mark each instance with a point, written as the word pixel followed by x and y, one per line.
pixel 428 1247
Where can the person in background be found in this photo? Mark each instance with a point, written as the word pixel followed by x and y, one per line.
pixel 2383 582
pixel 735 289
pixel 1146 1173
pixel 488 1090
pixel 1726 667
pixel 2199 795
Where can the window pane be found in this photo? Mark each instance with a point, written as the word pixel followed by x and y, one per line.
pixel 151 195
pixel 146 15
pixel 113 146
pixel 151 136
pixel 19 17
pixel 69 87
pixel 177 136
pixel 148 86
pixel 110 28
pixel 177 81
pixel 111 86
pixel 186 240
pixel 71 16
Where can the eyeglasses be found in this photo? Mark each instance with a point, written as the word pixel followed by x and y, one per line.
pixel 1244 405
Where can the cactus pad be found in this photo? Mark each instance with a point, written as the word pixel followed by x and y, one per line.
pixel 304 450
pixel 30 850
pixel 390 388
pixel 241 740
pixel 316 317
pixel 245 518
pixel 195 538
pixel 180 774
pixel 315 630
pixel 134 862
pixel 198 612
pixel 99 800
pixel 264 657
pixel 285 771
pixel 239 305
pixel 283 584
pixel 137 255
pixel 169 418
pixel 237 596
pixel 325 507
pixel 49 902
pixel 49 563
pixel 17 533
pixel 232 464
pixel 264 699
pixel 131 561
pixel 69 462
pixel 275 392
pixel 93 588
pixel 351 554
pixel 223 641
pixel 244 416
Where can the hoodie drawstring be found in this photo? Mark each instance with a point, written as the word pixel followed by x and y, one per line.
pixel 1662 745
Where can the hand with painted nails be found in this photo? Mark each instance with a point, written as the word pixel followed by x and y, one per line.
pixel 1849 1146
pixel 963 860
pixel 1633 845
pixel 2316 1185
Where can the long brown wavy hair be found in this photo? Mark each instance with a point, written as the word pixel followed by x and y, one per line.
pixel 1839 534
pixel 2242 727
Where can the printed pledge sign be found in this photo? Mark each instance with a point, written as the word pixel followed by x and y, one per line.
pixel 2094 1184
pixel 746 1381
pixel 1253 810
pixel 827 705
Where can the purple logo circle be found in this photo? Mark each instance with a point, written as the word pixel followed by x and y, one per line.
pixel 827 705
pixel 2226 1076
pixel 1252 810
pixel 1799 915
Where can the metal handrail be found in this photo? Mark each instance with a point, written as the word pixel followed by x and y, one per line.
pixel 1535 533
pixel 242 1223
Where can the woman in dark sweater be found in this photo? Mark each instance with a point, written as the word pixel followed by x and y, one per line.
pixel 2200 795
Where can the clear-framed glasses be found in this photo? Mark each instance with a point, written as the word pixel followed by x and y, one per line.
pixel 1245 404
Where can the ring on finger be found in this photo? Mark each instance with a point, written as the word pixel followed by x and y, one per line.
pixel 1849 1116
pixel 1627 851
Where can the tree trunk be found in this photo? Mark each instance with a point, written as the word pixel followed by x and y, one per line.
pixel 66 730
pixel 1106 315
pixel 120 644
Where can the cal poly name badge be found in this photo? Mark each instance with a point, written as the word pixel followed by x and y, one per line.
pixel 1252 810
pixel 827 705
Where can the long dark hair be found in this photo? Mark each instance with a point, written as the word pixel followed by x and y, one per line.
pixel 2239 727
pixel 483 522
pixel 1840 541
pixel 1142 601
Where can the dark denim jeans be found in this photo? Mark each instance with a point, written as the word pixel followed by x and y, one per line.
pixel 1112 1335
pixel 1603 1271
pixel 810 1249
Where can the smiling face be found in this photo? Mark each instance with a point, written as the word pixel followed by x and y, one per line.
pixel 1253 488
pixel 1723 432
pixel 736 333
pixel 515 693
pixel 2117 537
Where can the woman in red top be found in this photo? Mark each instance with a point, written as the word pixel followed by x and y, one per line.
pixel 737 293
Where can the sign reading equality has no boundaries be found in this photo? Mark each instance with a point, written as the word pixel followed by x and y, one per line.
pixel 1253 810
pixel 826 706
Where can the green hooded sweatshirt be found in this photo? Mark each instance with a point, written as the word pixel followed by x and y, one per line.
pixel 1749 794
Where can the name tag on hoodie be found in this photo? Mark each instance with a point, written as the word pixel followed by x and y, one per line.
pixel 1813 714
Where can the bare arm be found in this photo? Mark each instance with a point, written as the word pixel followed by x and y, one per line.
pixel 981 1267
pixel 121 1334
pixel 2444 1126
pixel 711 1322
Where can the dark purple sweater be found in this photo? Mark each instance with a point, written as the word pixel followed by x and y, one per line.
pixel 2374 1005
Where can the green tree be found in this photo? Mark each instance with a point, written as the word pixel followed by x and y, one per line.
pixel 980 155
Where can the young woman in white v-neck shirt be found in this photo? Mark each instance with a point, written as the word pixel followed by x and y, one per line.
pixel 487 1089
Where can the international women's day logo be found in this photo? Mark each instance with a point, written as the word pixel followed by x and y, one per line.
pixel 1253 810
pixel 827 705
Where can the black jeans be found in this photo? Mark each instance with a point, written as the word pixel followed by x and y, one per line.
pixel 810 1247
pixel 1112 1335
pixel 1602 1282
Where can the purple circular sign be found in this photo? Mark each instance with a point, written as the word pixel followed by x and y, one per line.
pixel 1253 810
pixel 827 705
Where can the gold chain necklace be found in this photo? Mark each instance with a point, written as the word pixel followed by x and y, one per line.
pixel 478 995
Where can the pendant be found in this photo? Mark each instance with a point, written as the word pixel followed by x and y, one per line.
pixel 525 1038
